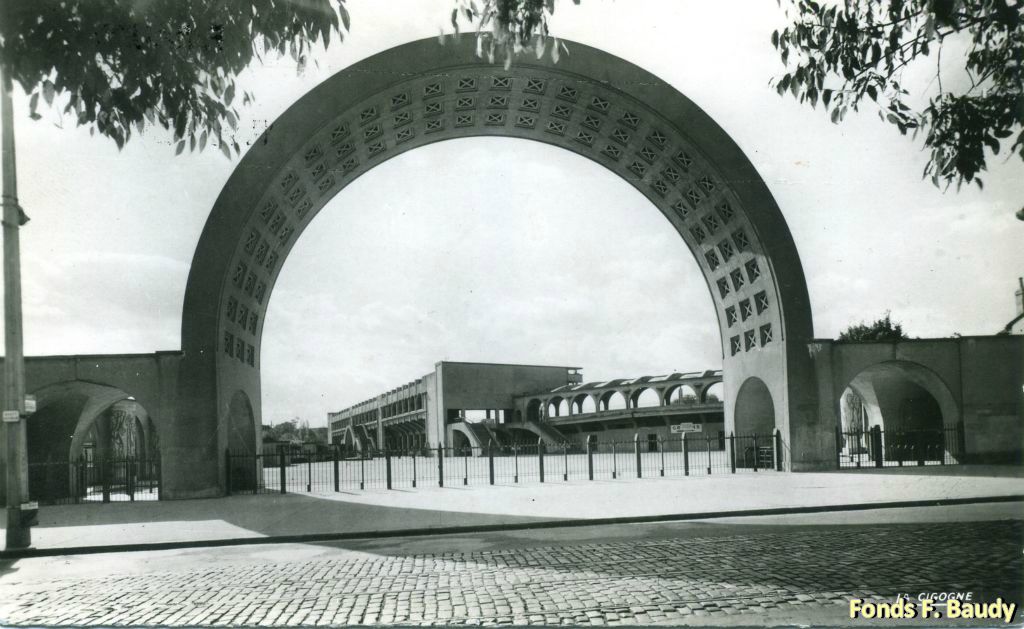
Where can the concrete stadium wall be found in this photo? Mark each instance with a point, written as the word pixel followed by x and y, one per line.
pixel 152 379
pixel 983 375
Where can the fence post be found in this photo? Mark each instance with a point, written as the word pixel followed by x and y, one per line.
pixel 362 469
pixel 661 449
pixel 708 446
pixel 309 473
pixel 414 468
pixel 565 460
pixel 465 466
pixel 257 473
pixel 227 472
pixel 387 467
pixel 283 472
pixel 337 472
pixel 129 465
pixel 440 465
pixel 490 461
pixel 615 463
pixel 636 450
pixel 961 442
pixel 79 479
pixel 778 450
pixel 686 456
pixel 540 458
pixel 159 478
pixel 515 456
pixel 919 443
pixel 839 448
pixel 105 478
pixel 756 452
pixel 732 452
pixel 876 445
pixel 590 459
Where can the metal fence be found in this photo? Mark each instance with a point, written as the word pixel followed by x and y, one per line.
pixel 898 448
pixel 327 469
pixel 94 481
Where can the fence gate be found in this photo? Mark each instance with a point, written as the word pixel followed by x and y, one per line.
pixel 899 448
pixel 90 481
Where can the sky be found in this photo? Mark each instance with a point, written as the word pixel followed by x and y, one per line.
pixel 502 250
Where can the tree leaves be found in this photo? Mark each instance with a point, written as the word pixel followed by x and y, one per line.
pixel 116 65
pixel 509 26
pixel 884 329
pixel 860 48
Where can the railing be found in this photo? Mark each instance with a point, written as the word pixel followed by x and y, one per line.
pixel 898 448
pixel 329 470
pixel 642 411
pixel 94 481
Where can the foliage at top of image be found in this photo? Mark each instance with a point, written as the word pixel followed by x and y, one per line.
pixel 884 329
pixel 509 27
pixel 118 65
pixel 851 53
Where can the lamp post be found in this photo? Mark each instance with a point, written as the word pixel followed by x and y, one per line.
pixel 18 534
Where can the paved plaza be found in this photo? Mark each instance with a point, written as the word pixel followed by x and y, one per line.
pixel 767 570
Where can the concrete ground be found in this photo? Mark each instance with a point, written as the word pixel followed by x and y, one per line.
pixel 373 511
pixel 757 570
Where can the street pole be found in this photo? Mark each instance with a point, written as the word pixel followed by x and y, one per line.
pixel 18 535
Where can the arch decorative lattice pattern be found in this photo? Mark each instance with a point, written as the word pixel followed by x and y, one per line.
pixel 585 116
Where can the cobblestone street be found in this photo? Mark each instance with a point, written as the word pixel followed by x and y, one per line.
pixel 801 572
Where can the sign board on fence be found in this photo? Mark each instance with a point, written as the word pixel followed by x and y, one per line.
pixel 686 427
pixel 11 416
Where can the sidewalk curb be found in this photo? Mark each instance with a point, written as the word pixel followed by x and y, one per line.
pixel 485 528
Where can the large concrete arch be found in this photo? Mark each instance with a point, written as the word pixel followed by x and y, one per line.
pixel 591 103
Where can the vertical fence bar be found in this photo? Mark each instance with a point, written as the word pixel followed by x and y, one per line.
pixel 490 461
pixel 227 472
pixel 961 442
pixel 707 440
pixel 778 450
pixel 540 458
pixel 105 478
pixel 590 459
pixel 257 473
pixel 919 445
pixel 565 461
pixel 636 451
pixel 757 452
pixel 78 479
pixel 159 478
pixel 661 450
pixel 876 445
pixel 686 456
pixel 309 473
pixel 732 452
pixel 465 466
pixel 130 464
pixel 615 463
pixel 362 470
pixel 282 472
pixel 387 468
pixel 440 465
pixel 515 455
pixel 337 472
pixel 839 448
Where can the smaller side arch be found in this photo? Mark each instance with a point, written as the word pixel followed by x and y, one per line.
pixel 755 410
